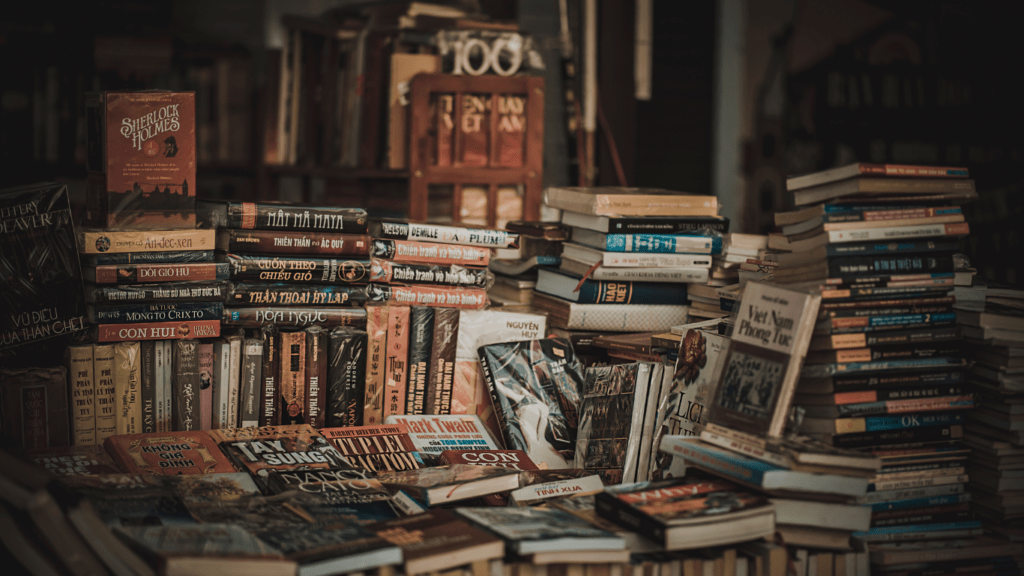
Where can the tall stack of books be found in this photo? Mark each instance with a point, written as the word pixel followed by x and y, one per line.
pixel 632 254
pixel 515 269
pixel 884 371
pixel 992 320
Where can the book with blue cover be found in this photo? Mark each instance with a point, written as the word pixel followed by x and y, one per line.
pixel 562 285
pixel 659 243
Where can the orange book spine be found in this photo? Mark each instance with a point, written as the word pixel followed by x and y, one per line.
pixel 396 361
pixel 377 333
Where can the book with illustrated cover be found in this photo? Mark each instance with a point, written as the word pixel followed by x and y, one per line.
pixel 557 283
pixel 206 549
pixel 534 530
pixel 376 448
pixel 346 377
pixel 761 367
pixel 262 449
pixel 611 420
pixel 336 494
pixel 433 434
pixel 441 372
pixel 296 269
pixel 168 453
pixel 683 513
pixel 697 368
pixel 535 388
pixel 514 459
pixel 452 483
pixel 438 540
pixel 334 548
pixel 136 502
pixel 544 485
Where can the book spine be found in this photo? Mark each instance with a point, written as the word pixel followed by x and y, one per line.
pixel 897 381
pixel 890 248
pixel 423 295
pixel 915 336
pixel 147 258
pixel 207 363
pixel 297 270
pixel 892 265
pixel 904 484
pixel 920 231
pixel 156 293
pixel 186 385
pixel 147 362
pixel 157 331
pixel 441 373
pixel 253 216
pixel 127 383
pixel 885 215
pixel 246 294
pixel 912 497
pixel 346 377
pixel 499 404
pixel 221 384
pixel 883 423
pixel 133 273
pixel 387 272
pixel 291 398
pixel 429 252
pixel 271 372
pixel 121 241
pixel 234 350
pixel 641 225
pixel 907 516
pixel 916 531
pixel 663 244
pixel 163 385
pixel 961 402
pixel 448 234
pixel 608 292
pixel 626 318
pixel 914 503
pixel 911 436
pixel 607 506
pixel 252 383
pixel 821 370
pixel 315 395
pixel 376 364
pixel 681 275
pixel 651 260
pixel 279 242
pixel 715 460
pixel 421 332
pixel 83 395
pixel 396 361
pixel 294 317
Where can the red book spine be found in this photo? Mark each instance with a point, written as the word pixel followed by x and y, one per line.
pixel 396 361
pixel 158 331
pixel 132 273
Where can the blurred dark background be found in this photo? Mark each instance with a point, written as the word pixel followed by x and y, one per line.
pixel 743 93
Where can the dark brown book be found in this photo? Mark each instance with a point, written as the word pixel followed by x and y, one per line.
pixel 438 540
pixel 442 361
pixel 271 371
pixel 35 407
pixel 453 483
pixel 250 393
pixel 291 396
pixel 316 377
pixel 186 385
pixel 421 334
pixel 545 230
pixel 295 318
pixel 346 377
pixel 286 242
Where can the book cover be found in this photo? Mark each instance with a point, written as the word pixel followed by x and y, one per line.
pixel 396 361
pixel 610 259
pixel 515 459
pixel 388 272
pixel 441 484
pixel 374 394
pixel 296 269
pixel 285 317
pixel 128 387
pixel 421 333
pixel 445 234
pixel 692 275
pixel 427 295
pixel 82 384
pixel 441 372
pixel 882 187
pixel 251 386
pixel 146 273
pixel 333 548
pixel 35 407
pixel 530 530
pixel 557 283
pixel 376 448
pixel 291 399
pixel 167 453
pixel 262 449
pixel 336 494
pixel 157 293
pixel 163 312
pixel 311 295
pixel 611 420
pixel 429 252
pixel 281 242
pixel 762 365
pixel 42 301
pixel 438 540
pixel 433 434
pixel 315 396
pixel 535 389
pixel 346 377
pixel 271 372
pixel 284 217
pixel 141 159
pixel 620 201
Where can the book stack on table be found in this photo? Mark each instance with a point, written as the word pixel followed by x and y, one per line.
pixel 515 269
pixel 885 372
pixel 992 320
pixel 632 253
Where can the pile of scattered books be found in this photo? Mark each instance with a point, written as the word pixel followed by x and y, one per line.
pixel 515 269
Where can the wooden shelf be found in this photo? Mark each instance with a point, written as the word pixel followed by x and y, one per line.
pixel 338 173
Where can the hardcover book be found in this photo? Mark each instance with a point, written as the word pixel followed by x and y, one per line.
pixel 157 293
pixel 441 373
pixel 141 159
pixel 334 548
pixel 311 295
pixel 421 333
pixel 388 272
pixel 587 291
pixel 286 217
pixel 337 494
pixel 296 318
pixel 535 530
pixel 260 450
pixel 443 484
pixel 429 252
pixel 279 242
pixel 762 365
pixel 297 269
pixel 42 301
pixel 35 407
pixel 438 540
pixel 376 448
pixel 346 377
pixel 432 435
pixel 104 241
pixel 535 389
pixel 167 453
pixel 427 295
pixel 616 201
pixel 206 548
pixel 444 234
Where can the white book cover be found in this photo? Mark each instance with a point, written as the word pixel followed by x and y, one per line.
pixel 221 382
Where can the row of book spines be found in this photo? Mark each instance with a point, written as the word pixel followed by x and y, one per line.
pixel 410 361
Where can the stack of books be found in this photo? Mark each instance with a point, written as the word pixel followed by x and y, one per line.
pixel 626 270
pixel 742 255
pixel 992 320
pixel 884 371
pixel 291 266
pixel 515 269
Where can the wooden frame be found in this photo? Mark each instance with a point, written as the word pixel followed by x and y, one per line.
pixel 423 172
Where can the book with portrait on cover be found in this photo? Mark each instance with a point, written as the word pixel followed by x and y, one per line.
pixel 761 368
